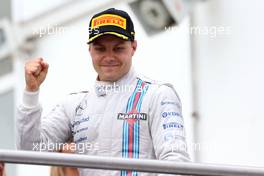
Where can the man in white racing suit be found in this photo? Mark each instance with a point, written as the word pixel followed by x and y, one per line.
pixel 125 115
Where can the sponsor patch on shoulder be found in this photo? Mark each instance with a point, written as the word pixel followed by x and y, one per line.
pixel 172 125
pixel 170 114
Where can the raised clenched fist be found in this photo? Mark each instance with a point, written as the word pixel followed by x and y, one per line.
pixel 35 73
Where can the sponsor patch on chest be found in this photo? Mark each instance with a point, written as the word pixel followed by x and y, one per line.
pixel 135 116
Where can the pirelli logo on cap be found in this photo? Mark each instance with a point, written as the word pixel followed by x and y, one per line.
pixel 109 19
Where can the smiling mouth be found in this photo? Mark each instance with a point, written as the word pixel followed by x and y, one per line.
pixel 109 65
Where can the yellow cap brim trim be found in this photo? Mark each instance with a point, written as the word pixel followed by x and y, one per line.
pixel 104 33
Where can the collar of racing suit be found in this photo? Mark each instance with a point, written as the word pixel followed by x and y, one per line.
pixel 103 88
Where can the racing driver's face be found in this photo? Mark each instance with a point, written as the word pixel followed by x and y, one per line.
pixel 112 57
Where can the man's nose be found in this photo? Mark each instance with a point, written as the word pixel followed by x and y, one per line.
pixel 109 55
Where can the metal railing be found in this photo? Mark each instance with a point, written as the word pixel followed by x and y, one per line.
pixel 114 163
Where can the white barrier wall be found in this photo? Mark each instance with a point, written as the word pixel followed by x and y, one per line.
pixel 231 83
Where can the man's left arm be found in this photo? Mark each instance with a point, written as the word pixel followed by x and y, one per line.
pixel 167 125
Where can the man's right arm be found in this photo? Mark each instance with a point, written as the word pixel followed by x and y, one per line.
pixel 37 132
pixel 32 128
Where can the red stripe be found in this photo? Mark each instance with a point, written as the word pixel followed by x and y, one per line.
pixel 136 100
pixel 137 96
pixel 130 140
pixel 129 173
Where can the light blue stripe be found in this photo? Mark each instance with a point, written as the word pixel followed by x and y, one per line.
pixel 137 138
pixel 135 146
pixel 130 104
pixel 123 141
pixel 134 140
pixel 126 140
pixel 122 173
pixel 137 142
pixel 136 154
pixel 140 100
pixel 124 149
pixel 133 173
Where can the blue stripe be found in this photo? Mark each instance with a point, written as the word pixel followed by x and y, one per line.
pixel 123 173
pixel 135 146
pixel 137 139
pixel 136 132
pixel 126 139
pixel 133 173
pixel 140 101
pixel 125 145
pixel 123 142
pixel 134 138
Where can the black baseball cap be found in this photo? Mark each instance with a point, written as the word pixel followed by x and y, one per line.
pixel 112 22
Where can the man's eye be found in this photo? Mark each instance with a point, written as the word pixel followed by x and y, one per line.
pixel 119 48
pixel 99 49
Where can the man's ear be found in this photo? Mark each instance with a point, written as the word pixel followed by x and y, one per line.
pixel 89 47
pixel 134 47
